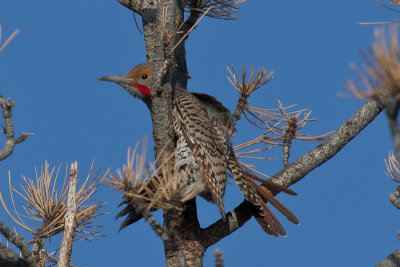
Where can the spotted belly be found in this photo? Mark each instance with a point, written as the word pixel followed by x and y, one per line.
pixel 184 158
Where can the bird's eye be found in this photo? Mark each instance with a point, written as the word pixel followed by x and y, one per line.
pixel 144 76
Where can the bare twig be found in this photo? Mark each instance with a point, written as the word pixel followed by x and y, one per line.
pixel 395 2
pixel 70 219
pixel 136 23
pixel 7 106
pixel 388 7
pixel 8 40
pixel 8 129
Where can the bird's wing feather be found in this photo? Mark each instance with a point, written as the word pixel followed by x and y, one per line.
pixel 200 136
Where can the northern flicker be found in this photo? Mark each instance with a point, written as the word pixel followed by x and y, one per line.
pixel 204 128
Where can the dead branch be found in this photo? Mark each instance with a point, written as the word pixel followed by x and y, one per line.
pixel 42 202
pixel 70 219
pixel 8 129
pixel 7 106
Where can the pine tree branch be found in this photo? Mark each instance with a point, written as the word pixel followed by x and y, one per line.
pixel 331 146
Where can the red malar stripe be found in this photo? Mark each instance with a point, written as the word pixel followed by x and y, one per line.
pixel 143 89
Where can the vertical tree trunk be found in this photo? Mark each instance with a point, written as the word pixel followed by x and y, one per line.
pixel 158 47
pixel 183 227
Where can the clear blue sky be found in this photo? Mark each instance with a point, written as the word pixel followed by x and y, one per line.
pixel 50 70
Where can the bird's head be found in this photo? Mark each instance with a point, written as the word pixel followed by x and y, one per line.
pixel 137 81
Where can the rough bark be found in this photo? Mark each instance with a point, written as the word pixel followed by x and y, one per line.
pixel 169 72
pixel 184 227
pixel 70 219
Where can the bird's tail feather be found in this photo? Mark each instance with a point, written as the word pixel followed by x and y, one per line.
pixel 258 195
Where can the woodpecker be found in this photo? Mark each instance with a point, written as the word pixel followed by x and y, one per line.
pixel 204 128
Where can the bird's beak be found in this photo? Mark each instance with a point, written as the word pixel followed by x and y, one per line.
pixel 115 79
